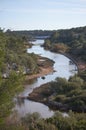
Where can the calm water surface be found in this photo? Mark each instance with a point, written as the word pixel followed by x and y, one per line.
pixel 62 69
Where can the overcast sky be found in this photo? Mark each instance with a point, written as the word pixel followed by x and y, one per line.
pixel 42 14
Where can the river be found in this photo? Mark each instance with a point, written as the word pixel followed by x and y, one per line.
pixel 62 69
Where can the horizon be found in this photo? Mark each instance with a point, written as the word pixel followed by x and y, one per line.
pixel 42 14
pixel 48 29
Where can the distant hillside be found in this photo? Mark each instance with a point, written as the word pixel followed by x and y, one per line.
pixel 69 35
pixel 72 41
pixel 29 34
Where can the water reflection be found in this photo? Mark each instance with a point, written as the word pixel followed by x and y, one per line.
pixel 62 68
pixel 20 101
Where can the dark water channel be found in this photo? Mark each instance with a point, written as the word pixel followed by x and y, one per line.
pixel 62 69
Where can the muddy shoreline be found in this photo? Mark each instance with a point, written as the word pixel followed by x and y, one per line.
pixel 38 96
pixel 81 65
pixel 45 67
pixel 43 94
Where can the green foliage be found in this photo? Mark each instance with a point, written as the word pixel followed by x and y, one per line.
pixel 8 89
pixel 34 122
pixel 71 92
pixel 70 122
pixel 76 79
pixel 14 61
pixel 63 94
pixel 71 41
pixel 60 47
pixel 73 121
pixel 83 75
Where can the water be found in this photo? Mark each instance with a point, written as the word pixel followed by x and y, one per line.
pixel 62 69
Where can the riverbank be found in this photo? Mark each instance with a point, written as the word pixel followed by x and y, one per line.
pixel 43 94
pixel 81 65
pixel 45 67
pixel 62 95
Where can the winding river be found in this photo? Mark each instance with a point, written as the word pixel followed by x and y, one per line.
pixel 62 69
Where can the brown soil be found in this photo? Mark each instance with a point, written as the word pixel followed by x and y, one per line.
pixel 43 72
pixel 45 66
pixel 42 93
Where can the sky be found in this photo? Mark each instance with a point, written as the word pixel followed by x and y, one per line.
pixel 42 14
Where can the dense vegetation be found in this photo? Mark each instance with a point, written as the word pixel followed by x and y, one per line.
pixel 60 94
pixel 14 63
pixel 71 41
pixel 57 122
pixel 30 34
